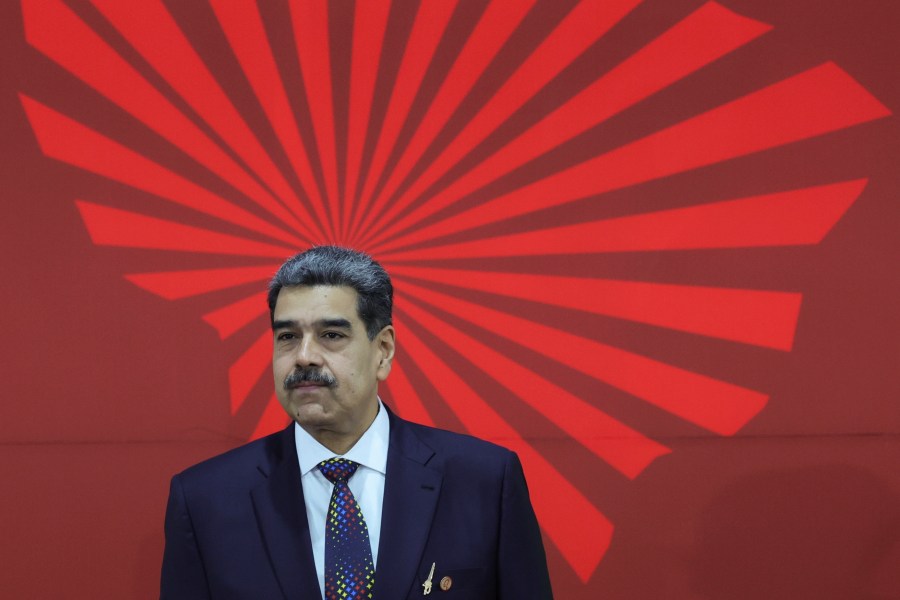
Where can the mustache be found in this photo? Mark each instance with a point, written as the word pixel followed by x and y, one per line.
pixel 299 376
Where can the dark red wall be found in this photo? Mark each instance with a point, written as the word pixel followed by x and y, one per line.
pixel 659 260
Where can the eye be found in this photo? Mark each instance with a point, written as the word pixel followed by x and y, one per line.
pixel 285 336
pixel 332 335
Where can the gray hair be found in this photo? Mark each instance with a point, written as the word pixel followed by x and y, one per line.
pixel 334 265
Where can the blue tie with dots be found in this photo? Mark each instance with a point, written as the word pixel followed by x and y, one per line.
pixel 349 568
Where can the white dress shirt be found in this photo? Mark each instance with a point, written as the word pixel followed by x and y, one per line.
pixel 367 484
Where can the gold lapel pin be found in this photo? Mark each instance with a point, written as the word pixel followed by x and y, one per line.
pixel 446 582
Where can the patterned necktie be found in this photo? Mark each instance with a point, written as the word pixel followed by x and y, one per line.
pixel 349 569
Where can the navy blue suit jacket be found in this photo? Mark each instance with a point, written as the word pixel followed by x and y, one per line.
pixel 236 524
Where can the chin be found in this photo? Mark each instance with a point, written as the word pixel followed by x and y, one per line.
pixel 310 414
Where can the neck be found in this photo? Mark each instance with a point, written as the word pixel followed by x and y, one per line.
pixel 340 442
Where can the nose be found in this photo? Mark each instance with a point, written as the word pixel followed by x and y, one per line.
pixel 308 352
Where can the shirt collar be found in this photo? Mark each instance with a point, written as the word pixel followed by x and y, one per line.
pixel 369 451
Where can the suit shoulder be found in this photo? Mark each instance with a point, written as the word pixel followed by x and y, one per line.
pixel 233 463
pixel 467 463
pixel 454 445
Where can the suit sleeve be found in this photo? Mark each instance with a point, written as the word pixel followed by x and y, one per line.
pixel 522 563
pixel 183 575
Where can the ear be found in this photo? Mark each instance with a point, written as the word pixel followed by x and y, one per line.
pixel 386 340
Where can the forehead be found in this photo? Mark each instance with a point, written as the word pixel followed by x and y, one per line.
pixel 315 302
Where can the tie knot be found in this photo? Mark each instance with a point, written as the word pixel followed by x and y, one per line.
pixel 338 469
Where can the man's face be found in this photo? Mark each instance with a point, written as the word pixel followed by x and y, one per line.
pixel 326 368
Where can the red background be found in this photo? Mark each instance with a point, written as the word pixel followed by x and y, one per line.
pixel 112 389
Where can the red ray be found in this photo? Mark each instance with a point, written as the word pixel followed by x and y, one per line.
pixel 113 227
pixel 554 497
pixel 585 24
pixel 815 102
pixel 700 39
pixel 149 27
pixel 715 405
pixel 272 420
pixel 762 318
pixel 625 449
pixel 369 22
pixel 173 285
pixel 248 369
pixel 73 143
pixel 497 23
pixel 231 318
pixel 796 217
pixel 310 21
pixel 241 22
pixel 407 402
pixel 54 30
pixel 428 28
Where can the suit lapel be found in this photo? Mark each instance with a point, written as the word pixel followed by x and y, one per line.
pixel 281 514
pixel 410 496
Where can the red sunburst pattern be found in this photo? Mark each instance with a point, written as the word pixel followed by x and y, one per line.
pixel 465 146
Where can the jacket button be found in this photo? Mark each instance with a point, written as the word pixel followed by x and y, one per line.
pixel 446 582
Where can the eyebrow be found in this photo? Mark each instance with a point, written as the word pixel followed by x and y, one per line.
pixel 325 323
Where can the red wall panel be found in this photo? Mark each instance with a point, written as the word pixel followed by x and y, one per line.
pixel 649 245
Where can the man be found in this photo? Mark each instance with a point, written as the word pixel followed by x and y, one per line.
pixel 349 501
